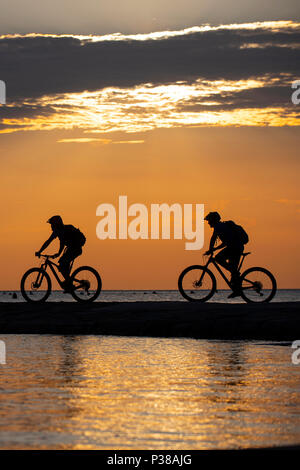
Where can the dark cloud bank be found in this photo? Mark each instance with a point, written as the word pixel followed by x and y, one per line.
pixel 37 66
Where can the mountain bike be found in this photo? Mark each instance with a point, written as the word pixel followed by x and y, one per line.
pixel 84 284
pixel 198 284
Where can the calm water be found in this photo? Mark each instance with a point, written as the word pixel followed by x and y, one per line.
pixel 282 295
pixel 96 392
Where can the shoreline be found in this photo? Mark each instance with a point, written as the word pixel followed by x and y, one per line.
pixel 275 321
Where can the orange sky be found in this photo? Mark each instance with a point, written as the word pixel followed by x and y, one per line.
pixel 248 174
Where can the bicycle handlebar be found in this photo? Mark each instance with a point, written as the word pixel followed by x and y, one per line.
pixel 44 256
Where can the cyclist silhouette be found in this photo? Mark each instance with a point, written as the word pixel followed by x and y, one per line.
pixel 71 241
pixel 233 238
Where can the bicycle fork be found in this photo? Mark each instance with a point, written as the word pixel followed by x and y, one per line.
pixel 199 282
pixel 38 282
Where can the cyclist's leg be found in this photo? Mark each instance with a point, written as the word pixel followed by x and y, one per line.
pixel 65 261
pixel 235 253
pixel 222 258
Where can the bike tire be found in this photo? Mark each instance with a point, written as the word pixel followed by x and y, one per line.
pixel 259 298
pixel 184 291
pixel 97 291
pixel 32 299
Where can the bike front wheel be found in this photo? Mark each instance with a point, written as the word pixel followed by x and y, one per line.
pixel 197 284
pixel 86 284
pixel 258 285
pixel 36 285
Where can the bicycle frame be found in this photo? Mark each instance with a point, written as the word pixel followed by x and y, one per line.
pixel 212 260
pixel 51 264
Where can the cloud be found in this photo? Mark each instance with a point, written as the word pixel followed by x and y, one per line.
pixel 37 65
pixel 269 92
pixel 84 140
pixel 291 202
pixel 89 140
pixel 196 76
pixel 129 142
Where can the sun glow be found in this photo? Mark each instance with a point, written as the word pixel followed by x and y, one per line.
pixel 147 107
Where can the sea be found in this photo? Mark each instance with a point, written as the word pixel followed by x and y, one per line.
pixel 73 392
pixel 282 295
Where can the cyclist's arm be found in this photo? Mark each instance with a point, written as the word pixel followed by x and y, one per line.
pixel 219 247
pixel 61 247
pixel 212 242
pixel 47 243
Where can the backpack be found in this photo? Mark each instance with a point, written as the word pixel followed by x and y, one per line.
pixel 74 235
pixel 80 237
pixel 236 233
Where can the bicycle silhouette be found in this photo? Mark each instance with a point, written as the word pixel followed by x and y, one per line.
pixel 198 284
pixel 84 284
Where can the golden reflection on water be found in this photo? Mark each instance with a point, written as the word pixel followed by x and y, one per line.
pixel 89 392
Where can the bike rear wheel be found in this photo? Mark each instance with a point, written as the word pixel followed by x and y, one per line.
pixel 197 284
pixel 36 285
pixel 86 284
pixel 258 285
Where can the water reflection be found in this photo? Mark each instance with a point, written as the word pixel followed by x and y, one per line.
pixel 229 371
pixel 91 392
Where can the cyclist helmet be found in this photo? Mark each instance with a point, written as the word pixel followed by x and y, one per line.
pixel 55 220
pixel 213 217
